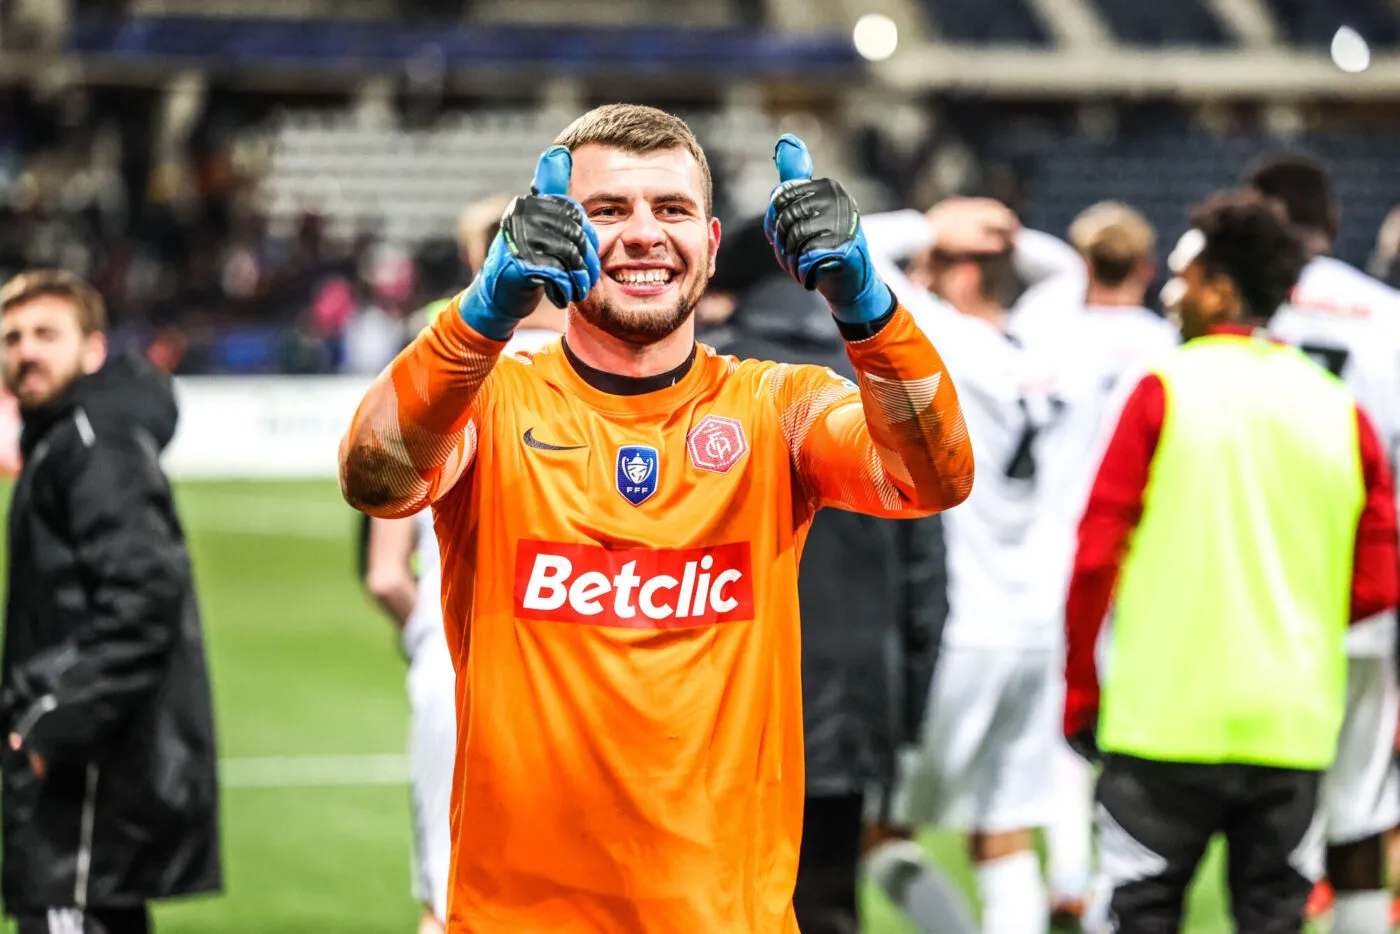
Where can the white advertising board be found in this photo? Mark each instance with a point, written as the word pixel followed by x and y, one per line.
pixel 253 427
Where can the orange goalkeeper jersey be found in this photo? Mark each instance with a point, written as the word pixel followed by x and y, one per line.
pixel 620 596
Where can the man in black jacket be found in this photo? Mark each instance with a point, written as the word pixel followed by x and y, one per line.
pixel 110 793
pixel 872 594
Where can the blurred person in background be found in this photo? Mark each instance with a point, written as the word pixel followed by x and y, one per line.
pixel 380 327
pixel 989 734
pixel 402 569
pixel 477 228
pixel 872 597
pixel 1267 526
pixel 1097 348
pixel 1350 324
pixel 10 426
pixel 110 793
pixel 1382 263
pixel 630 734
pixel 403 573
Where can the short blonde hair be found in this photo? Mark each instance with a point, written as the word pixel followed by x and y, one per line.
pixel 32 284
pixel 639 130
pixel 477 226
pixel 1114 240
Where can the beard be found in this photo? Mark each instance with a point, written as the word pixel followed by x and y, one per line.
pixel 57 381
pixel 645 326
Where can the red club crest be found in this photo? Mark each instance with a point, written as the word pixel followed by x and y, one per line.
pixel 717 443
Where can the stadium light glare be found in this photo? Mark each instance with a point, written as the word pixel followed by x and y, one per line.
pixel 876 37
pixel 1350 52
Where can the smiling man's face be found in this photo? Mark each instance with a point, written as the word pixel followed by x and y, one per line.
pixel 655 241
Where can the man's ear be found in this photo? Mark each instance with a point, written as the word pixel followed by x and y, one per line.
pixel 1147 271
pixel 714 244
pixel 967 277
pixel 94 352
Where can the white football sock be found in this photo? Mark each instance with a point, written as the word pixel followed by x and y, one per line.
pixel 927 900
pixel 1014 900
pixel 1069 837
pixel 1361 913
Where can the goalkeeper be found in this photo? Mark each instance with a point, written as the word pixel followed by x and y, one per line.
pixel 620 519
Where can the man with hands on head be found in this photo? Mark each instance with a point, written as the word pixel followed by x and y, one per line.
pixel 990 724
pixel 621 518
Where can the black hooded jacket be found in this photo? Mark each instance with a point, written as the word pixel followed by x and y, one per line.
pixel 872 592
pixel 104 673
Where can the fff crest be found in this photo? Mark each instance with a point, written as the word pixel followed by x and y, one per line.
pixel 638 467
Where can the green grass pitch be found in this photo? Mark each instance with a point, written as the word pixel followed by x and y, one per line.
pixel 311 713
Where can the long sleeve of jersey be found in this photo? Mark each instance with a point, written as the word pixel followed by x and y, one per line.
pixel 1113 511
pixel 1375 572
pixel 414 433
pixel 897 448
pixel 1042 256
pixel 894 236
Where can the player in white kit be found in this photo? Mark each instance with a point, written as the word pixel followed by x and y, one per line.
pixel 991 721
pixel 1097 344
pixel 403 571
pixel 1350 324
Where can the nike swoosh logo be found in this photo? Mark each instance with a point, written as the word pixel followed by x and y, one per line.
pixel 542 446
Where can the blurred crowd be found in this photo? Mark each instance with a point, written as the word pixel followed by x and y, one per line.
pixel 174 230
pixel 179 245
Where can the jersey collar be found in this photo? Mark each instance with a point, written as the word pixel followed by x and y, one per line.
pixel 1240 330
pixel 555 366
pixel 618 385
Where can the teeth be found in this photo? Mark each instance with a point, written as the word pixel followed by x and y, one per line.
pixel 642 276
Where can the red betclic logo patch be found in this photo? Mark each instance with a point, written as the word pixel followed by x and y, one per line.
pixel 636 588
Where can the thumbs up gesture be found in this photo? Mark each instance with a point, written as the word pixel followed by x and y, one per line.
pixel 545 244
pixel 814 228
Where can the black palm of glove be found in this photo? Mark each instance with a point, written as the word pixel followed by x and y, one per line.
pixel 814 228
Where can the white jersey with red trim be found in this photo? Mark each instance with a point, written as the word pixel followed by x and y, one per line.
pixel 1350 323
pixel 1097 355
pixel 1003 390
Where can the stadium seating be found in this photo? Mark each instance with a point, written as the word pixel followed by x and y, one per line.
pixel 412 184
pixel 604 12
pixel 728 51
pixel 1314 22
pixel 1181 22
pixel 1163 171
pixel 280 9
pixel 985 21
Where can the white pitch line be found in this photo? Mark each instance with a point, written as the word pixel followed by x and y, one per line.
pixel 314 771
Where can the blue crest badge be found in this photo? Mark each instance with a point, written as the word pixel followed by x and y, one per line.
pixel 637 470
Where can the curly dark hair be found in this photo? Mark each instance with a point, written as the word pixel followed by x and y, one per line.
pixel 1301 184
pixel 1248 243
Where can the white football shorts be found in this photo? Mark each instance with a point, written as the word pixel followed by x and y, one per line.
pixel 1360 795
pixel 432 751
pixel 988 744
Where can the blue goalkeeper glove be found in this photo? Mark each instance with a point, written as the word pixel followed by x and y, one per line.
pixel 814 228
pixel 545 243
